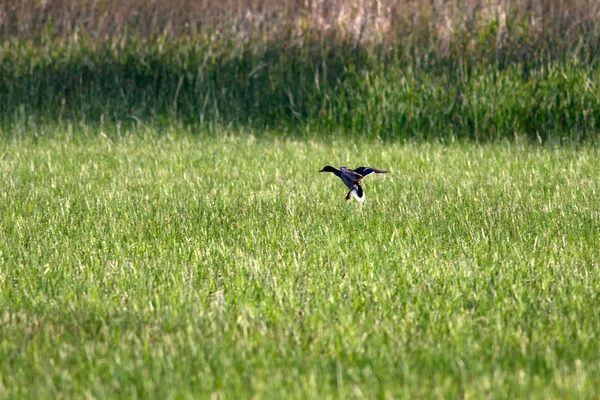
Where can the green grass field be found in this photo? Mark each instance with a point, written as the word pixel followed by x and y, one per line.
pixel 181 266
pixel 165 232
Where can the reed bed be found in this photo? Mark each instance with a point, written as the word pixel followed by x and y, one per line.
pixel 385 69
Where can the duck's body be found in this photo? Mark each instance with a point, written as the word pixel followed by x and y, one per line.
pixel 353 178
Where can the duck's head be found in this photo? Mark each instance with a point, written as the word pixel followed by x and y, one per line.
pixel 329 168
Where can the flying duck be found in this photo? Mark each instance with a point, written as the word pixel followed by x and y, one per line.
pixel 353 178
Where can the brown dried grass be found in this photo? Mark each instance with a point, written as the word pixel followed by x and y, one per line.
pixel 357 20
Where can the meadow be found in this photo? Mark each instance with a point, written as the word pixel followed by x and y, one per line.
pixel 165 232
pixel 177 265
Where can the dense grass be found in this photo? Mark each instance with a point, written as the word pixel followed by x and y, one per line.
pixel 330 89
pixel 146 253
pixel 179 266
pixel 477 69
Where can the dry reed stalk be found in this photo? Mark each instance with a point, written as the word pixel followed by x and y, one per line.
pixel 358 20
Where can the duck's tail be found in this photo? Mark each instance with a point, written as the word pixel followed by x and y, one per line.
pixel 358 194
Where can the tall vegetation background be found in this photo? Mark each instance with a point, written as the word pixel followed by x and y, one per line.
pixel 389 69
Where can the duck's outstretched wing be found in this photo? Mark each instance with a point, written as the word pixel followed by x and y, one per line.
pixel 366 171
pixel 350 173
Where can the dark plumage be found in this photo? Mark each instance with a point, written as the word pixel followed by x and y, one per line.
pixel 353 178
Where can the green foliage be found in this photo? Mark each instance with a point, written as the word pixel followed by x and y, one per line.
pixel 390 69
pixel 170 265
pixel 326 84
